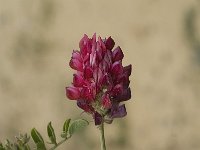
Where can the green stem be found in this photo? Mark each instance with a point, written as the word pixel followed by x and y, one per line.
pixel 102 137
pixel 54 147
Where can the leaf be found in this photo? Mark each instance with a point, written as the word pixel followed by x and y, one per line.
pixel 77 126
pixel 37 138
pixel 1 146
pixel 51 133
pixel 65 128
pixel 40 146
pixel 66 125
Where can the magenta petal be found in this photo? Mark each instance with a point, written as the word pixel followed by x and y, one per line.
pixel 119 112
pixel 117 54
pixel 87 94
pixel 94 38
pixel 93 59
pixel 78 80
pixel 76 64
pixel 72 93
pixel 97 118
pixel 109 43
pixel 117 68
pixel 101 43
pixel 76 55
pixel 83 41
pixel 88 72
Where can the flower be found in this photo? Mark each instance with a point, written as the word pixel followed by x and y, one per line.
pixel 100 82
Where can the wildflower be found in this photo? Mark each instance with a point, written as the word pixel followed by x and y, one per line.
pixel 101 82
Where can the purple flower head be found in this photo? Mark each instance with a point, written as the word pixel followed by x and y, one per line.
pixel 100 82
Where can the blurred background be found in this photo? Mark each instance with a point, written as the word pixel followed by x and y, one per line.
pixel 160 38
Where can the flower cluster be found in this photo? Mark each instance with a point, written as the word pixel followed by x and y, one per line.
pixel 100 82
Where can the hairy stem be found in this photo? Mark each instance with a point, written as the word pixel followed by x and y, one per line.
pixel 102 137
pixel 58 144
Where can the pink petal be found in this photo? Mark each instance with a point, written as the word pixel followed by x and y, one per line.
pixel 78 80
pixel 76 64
pixel 88 73
pixel 76 55
pixel 72 93
pixel 87 94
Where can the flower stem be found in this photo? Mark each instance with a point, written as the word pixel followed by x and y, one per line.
pixel 102 137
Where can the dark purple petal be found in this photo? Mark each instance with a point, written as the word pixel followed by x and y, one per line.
pixel 117 54
pixel 117 90
pixel 72 93
pixel 108 57
pixel 126 95
pixel 109 43
pixel 83 105
pixel 117 68
pixel 97 118
pixel 119 112
pixel 128 70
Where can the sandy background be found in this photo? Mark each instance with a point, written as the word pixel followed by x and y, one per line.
pixel 160 38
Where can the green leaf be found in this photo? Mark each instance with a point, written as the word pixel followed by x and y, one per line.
pixel 51 134
pixel 27 147
pixel 37 138
pixel 40 146
pixel 77 126
pixel 66 125
pixel 1 146
pixel 65 128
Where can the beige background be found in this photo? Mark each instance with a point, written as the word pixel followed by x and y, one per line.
pixel 160 38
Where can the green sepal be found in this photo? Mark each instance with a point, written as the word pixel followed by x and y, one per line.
pixel 51 134
pixel 65 128
pixel 77 126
